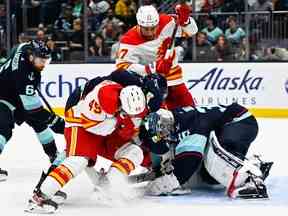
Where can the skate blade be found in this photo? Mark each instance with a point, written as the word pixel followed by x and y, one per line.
pixel 35 209
pixel 3 178
pixel 251 198
pixel 59 199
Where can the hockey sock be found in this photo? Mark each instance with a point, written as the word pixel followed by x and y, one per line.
pixel 62 174
pixel 124 165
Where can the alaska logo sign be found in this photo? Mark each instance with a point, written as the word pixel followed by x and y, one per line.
pixel 215 79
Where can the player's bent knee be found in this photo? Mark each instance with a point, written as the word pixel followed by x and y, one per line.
pixel 75 164
pixel 192 143
pixel 131 152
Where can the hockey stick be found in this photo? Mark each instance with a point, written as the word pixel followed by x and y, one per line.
pixel 45 101
pixel 173 36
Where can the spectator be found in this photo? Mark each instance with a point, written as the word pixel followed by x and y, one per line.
pixel 211 30
pixel 97 13
pixel 76 41
pixel 241 51
pixel 276 54
pixel 222 50
pixel 48 10
pixel 55 51
pixel 40 36
pixel 110 18
pixel 234 33
pixel 209 6
pixel 98 47
pixel 63 23
pixel 262 5
pixel 78 8
pixel 203 47
pixel 22 38
pixel 115 48
pixel 126 10
pixel 99 7
pixel 109 33
pixel 233 5
pixel 280 5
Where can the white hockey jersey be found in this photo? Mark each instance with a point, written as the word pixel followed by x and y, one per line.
pixel 135 52
pixel 96 112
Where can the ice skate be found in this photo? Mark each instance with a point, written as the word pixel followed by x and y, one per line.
pixel 40 204
pixel 254 188
pixel 3 175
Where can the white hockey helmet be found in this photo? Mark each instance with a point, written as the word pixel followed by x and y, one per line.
pixel 147 16
pixel 133 100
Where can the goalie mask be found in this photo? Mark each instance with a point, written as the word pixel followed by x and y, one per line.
pixel 133 100
pixel 160 124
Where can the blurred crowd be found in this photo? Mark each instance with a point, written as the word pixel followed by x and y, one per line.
pixel 221 36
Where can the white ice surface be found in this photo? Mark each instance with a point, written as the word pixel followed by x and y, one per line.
pixel 24 159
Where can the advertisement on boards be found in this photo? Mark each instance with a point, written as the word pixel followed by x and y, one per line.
pixel 262 87
pixel 256 85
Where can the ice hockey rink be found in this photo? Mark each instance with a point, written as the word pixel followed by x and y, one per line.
pixel 24 159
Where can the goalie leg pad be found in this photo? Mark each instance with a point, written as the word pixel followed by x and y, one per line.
pixel 237 175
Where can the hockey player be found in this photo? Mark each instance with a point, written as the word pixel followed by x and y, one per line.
pixel 94 113
pixel 235 128
pixel 154 87
pixel 20 77
pixel 147 48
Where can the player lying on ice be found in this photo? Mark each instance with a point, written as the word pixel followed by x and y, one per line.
pixel 233 130
pixel 148 48
pixel 102 117
pixel 20 76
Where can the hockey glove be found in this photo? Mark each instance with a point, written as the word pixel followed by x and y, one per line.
pixel 163 65
pixel 56 123
pixel 125 127
pixel 183 12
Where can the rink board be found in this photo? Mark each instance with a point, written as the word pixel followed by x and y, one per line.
pixel 262 87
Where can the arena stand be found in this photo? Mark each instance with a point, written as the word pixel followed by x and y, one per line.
pixel 88 31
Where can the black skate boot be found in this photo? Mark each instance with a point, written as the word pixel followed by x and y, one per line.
pixel 3 175
pixel 41 204
pixel 254 188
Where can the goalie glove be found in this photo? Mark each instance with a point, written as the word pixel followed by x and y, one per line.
pixel 163 185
